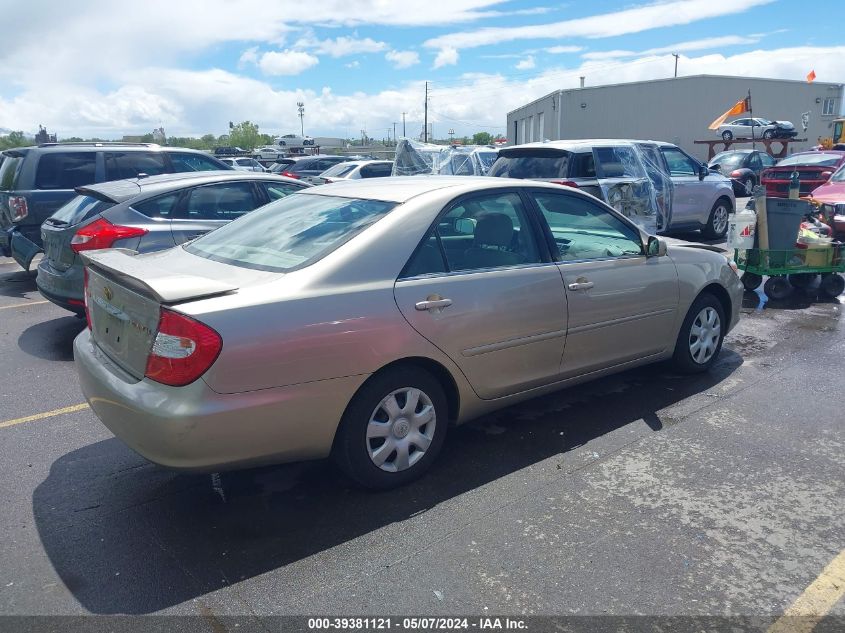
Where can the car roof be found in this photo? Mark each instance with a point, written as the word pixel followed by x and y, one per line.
pixel 583 145
pixel 402 188
pixel 121 190
pixel 105 146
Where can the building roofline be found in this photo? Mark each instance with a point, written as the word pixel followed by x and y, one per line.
pixel 683 78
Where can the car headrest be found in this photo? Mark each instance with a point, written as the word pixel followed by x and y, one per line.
pixel 494 229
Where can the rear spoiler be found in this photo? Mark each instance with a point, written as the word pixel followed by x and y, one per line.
pixel 164 286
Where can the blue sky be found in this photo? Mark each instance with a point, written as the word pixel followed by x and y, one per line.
pixel 116 67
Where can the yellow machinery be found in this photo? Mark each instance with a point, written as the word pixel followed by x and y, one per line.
pixel 838 134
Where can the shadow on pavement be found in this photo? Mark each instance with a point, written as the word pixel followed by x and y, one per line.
pixel 53 339
pixel 128 537
pixel 17 283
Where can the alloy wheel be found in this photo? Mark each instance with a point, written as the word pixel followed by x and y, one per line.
pixel 704 335
pixel 400 429
pixel 720 219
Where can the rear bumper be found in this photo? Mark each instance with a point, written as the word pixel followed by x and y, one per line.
pixel 62 287
pixel 196 428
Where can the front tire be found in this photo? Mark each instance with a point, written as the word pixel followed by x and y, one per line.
pixel 768 134
pixel 701 336
pixel 717 223
pixel 727 135
pixel 393 429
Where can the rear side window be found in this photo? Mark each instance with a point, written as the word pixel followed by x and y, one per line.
pixel 65 170
pixel 531 165
pixel 79 209
pixel 225 201
pixel 339 170
pixel 618 162
pixel 194 162
pixel 303 165
pixel 160 207
pixel 120 165
pixel 583 166
pixel 379 170
pixel 276 191
pixel 8 170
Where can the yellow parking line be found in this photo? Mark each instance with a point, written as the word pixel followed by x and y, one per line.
pixel 22 305
pixel 46 414
pixel 816 601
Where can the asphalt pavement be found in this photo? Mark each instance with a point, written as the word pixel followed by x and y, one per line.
pixel 645 493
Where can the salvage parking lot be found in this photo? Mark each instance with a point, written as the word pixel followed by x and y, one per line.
pixel 644 493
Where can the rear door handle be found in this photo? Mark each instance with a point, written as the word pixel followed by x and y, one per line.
pixel 581 285
pixel 433 304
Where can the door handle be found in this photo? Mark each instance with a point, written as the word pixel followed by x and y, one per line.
pixel 433 304
pixel 581 285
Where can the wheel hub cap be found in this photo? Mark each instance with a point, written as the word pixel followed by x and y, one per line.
pixel 400 430
pixel 704 335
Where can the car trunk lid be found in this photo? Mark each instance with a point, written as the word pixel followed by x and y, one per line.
pixel 124 296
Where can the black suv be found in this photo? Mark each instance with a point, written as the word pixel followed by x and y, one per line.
pixel 36 181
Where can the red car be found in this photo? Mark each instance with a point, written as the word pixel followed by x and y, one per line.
pixel 832 193
pixel 814 168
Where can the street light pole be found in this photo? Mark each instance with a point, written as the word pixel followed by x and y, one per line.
pixel 301 107
pixel 403 124
pixel 676 56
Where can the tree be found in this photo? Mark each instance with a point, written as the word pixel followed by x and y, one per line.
pixel 482 138
pixel 245 135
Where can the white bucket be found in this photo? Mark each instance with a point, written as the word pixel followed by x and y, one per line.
pixel 741 229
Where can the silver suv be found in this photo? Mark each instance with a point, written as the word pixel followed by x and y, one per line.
pixel 633 176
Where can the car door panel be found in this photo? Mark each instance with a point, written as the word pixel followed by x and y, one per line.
pixel 504 329
pixel 626 314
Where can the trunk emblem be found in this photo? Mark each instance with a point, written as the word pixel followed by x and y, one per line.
pixel 108 293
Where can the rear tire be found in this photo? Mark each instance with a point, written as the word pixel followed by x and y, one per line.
pixel 702 333
pixel 717 223
pixel 777 288
pixel 768 135
pixel 832 285
pixel 727 135
pixel 392 429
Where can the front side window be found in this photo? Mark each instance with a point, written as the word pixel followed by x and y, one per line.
pixel 290 233
pixel 120 165
pixel 584 230
pixel 225 201
pixel 65 170
pixel 679 163
pixel 478 233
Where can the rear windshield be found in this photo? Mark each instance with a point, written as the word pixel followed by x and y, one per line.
pixel 7 172
pixel 65 170
pixel 341 169
pixel 531 164
pixel 821 159
pixel 487 159
pixel 290 233
pixel 78 209
pixel 731 160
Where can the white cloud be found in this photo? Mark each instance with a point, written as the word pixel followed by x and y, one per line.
pixel 447 56
pixel 526 64
pixel 249 56
pixel 402 59
pixel 560 50
pixel 681 47
pixel 343 46
pixel 286 62
pixel 353 64
pixel 633 20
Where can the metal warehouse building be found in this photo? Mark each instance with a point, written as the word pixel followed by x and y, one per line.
pixel 677 110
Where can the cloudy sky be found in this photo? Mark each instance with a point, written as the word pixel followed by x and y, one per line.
pixel 114 67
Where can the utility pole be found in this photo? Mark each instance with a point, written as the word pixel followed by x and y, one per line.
pixel 403 124
pixel 425 120
pixel 394 132
pixel 301 107
pixel 451 135
pixel 676 56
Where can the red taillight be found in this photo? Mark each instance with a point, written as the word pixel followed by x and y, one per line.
pixel 102 234
pixel 183 349
pixel 18 208
pixel 290 175
pixel 735 173
pixel 565 183
pixel 85 299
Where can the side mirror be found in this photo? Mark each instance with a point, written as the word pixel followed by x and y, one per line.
pixel 655 247
pixel 464 226
pixel 717 167
pixel 702 172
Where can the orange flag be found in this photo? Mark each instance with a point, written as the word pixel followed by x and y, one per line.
pixel 811 76
pixel 738 108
